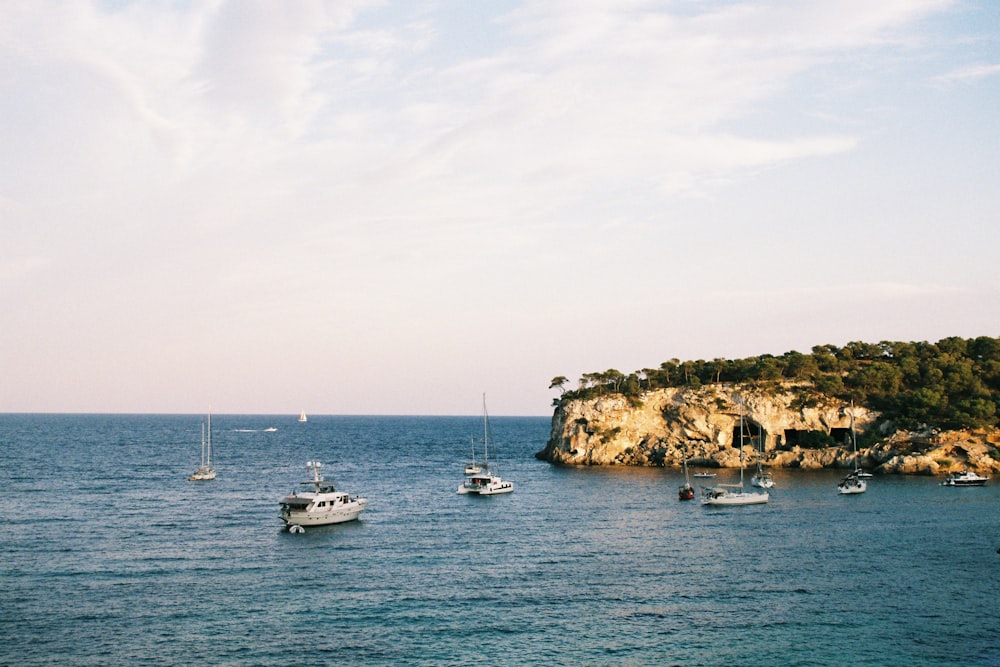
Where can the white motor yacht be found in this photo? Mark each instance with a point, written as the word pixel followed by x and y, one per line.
pixel 320 506
pixel 965 478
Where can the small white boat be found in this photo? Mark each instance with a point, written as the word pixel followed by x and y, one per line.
pixel 205 471
pixel 965 478
pixel 852 484
pixel 302 417
pixel 484 482
pixel 762 479
pixel 270 429
pixel 704 475
pixel 321 506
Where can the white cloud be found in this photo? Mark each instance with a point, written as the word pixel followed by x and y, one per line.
pixel 969 74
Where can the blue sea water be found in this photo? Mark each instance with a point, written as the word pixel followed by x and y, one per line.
pixel 108 556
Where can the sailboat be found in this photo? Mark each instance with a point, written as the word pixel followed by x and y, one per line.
pixel 854 482
pixel 761 478
pixel 685 491
pixel 486 483
pixel 734 494
pixel 302 417
pixel 205 471
pixel 472 467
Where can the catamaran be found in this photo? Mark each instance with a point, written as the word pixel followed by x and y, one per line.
pixel 484 482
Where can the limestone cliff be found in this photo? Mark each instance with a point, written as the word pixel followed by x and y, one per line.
pixel 666 425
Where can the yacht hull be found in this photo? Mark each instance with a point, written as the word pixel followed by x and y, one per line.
pixel 850 488
pixel 322 517
pixel 737 499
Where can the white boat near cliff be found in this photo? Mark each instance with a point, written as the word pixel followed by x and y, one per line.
pixel 761 478
pixel 321 506
pixel 734 494
pixel 965 478
pixel 854 482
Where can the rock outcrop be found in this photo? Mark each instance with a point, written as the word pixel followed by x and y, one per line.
pixel 788 426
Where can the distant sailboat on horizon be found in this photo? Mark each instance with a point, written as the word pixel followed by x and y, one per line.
pixel 302 417
pixel 205 471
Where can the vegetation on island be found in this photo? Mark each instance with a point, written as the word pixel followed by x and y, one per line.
pixel 952 384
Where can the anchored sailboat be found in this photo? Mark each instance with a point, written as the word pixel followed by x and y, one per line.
pixel 205 471
pixel 486 483
pixel 761 478
pixel 686 491
pixel 734 494
pixel 854 482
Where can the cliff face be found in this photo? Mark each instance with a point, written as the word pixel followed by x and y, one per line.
pixel 703 426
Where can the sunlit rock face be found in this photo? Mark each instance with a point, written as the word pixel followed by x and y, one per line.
pixel 665 426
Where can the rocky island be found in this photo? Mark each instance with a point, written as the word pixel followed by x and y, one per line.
pixel 788 422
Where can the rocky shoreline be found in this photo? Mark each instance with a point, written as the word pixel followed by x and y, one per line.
pixel 668 425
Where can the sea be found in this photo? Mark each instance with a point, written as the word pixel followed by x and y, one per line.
pixel 109 556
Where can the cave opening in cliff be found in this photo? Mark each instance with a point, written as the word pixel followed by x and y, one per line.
pixel 842 435
pixel 807 439
pixel 751 434
pixel 793 437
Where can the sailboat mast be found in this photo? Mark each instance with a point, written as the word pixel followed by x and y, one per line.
pixel 854 439
pixel 486 437
pixel 741 442
pixel 203 444
pixel 210 436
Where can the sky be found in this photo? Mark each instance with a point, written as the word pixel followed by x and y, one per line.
pixel 392 208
